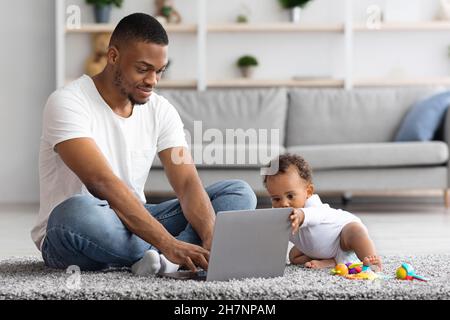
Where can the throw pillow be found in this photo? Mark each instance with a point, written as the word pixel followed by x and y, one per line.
pixel 424 118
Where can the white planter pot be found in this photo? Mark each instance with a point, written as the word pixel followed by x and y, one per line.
pixel 295 14
pixel 247 72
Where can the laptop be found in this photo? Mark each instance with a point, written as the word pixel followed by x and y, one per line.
pixel 246 244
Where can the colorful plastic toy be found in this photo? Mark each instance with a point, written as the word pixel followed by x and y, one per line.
pixel 406 272
pixel 354 271
pixel 340 269
pixel 363 275
pixel 354 268
pixel 357 271
pixel 343 269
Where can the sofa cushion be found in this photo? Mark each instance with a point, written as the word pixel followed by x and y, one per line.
pixel 373 155
pixel 424 118
pixel 334 116
pixel 253 109
pixel 231 156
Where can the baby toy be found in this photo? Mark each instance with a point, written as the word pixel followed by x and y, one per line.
pixel 340 269
pixel 354 271
pixel 363 275
pixel 406 272
pixel 358 271
pixel 344 269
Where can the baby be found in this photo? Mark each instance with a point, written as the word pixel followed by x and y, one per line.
pixel 322 236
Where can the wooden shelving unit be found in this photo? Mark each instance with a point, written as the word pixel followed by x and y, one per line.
pixel 182 84
pixel 396 82
pixel 258 83
pixel 164 83
pixel 202 30
pixel 406 27
pixel 101 27
pixel 221 28
pixel 274 27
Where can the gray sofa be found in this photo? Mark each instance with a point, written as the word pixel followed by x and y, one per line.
pixel 347 137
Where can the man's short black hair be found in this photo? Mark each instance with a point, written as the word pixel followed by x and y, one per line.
pixel 139 27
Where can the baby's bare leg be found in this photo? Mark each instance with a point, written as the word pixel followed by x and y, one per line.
pixel 297 257
pixel 354 236
pixel 303 259
pixel 320 264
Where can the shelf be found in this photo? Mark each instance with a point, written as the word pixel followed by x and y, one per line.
pixel 104 27
pixel 227 27
pixel 169 83
pixel 258 83
pixel 392 82
pixel 347 29
pixel 180 84
pixel 277 27
pixel 407 26
pixel 307 83
pixel 328 83
pixel 274 27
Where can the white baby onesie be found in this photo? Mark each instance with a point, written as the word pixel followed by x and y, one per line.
pixel 319 235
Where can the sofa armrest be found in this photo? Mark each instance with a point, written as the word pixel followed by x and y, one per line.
pixel 447 140
pixel 447 127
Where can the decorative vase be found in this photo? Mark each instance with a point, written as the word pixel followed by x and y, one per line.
pixel 295 13
pixel 102 13
pixel 247 72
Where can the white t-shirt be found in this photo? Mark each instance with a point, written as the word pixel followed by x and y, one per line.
pixel 319 235
pixel 129 144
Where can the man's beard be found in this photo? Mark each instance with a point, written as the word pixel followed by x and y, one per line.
pixel 118 82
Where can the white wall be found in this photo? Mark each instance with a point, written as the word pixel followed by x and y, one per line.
pixel 420 54
pixel 27 61
pixel 26 79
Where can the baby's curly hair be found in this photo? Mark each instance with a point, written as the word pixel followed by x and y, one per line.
pixel 286 160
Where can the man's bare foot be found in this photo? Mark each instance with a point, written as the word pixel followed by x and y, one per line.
pixel 374 262
pixel 319 264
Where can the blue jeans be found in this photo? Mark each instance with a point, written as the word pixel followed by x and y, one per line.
pixel 86 232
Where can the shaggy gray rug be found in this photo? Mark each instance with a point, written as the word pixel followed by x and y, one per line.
pixel 28 278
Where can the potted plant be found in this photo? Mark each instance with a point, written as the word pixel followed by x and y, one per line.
pixel 102 9
pixel 241 18
pixel 247 64
pixel 244 14
pixel 295 7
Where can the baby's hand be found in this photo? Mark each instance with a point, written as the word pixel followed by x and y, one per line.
pixel 297 216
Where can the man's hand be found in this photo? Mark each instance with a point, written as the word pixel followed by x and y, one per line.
pixel 186 254
pixel 297 217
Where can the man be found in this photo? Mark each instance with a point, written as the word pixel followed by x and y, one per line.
pixel 99 138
